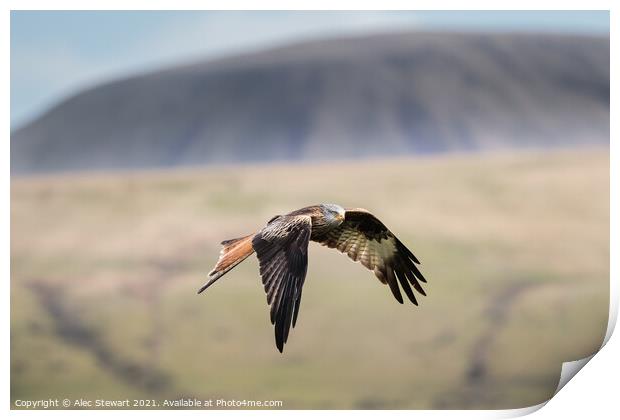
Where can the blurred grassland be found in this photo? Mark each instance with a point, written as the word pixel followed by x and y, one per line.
pixel 104 272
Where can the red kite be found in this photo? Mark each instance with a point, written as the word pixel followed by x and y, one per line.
pixel 282 251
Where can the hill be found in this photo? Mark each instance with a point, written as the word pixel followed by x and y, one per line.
pixel 380 95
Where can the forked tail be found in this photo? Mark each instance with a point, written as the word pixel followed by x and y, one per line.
pixel 233 252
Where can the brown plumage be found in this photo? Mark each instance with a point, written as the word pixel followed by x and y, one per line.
pixel 282 251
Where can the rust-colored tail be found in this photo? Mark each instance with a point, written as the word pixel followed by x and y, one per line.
pixel 233 252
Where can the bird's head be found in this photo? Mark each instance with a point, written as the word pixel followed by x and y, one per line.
pixel 333 213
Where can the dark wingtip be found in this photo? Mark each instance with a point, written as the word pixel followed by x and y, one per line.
pixel 412 299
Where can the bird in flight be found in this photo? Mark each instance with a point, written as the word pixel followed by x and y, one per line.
pixel 282 251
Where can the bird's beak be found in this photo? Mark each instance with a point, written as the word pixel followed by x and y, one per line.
pixel 340 217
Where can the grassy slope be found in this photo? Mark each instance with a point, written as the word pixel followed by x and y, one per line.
pixel 105 268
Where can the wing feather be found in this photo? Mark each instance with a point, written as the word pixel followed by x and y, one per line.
pixel 365 239
pixel 282 251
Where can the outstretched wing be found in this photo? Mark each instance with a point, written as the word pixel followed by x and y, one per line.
pixel 365 239
pixel 282 251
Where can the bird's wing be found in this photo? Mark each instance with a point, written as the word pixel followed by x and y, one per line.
pixel 365 239
pixel 282 251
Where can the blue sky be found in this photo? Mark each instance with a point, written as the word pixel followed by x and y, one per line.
pixel 55 54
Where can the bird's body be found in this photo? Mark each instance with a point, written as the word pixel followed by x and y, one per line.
pixel 282 251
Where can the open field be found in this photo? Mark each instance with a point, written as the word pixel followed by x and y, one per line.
pixel 516 249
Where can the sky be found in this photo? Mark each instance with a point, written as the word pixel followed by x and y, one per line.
pixel 55 54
